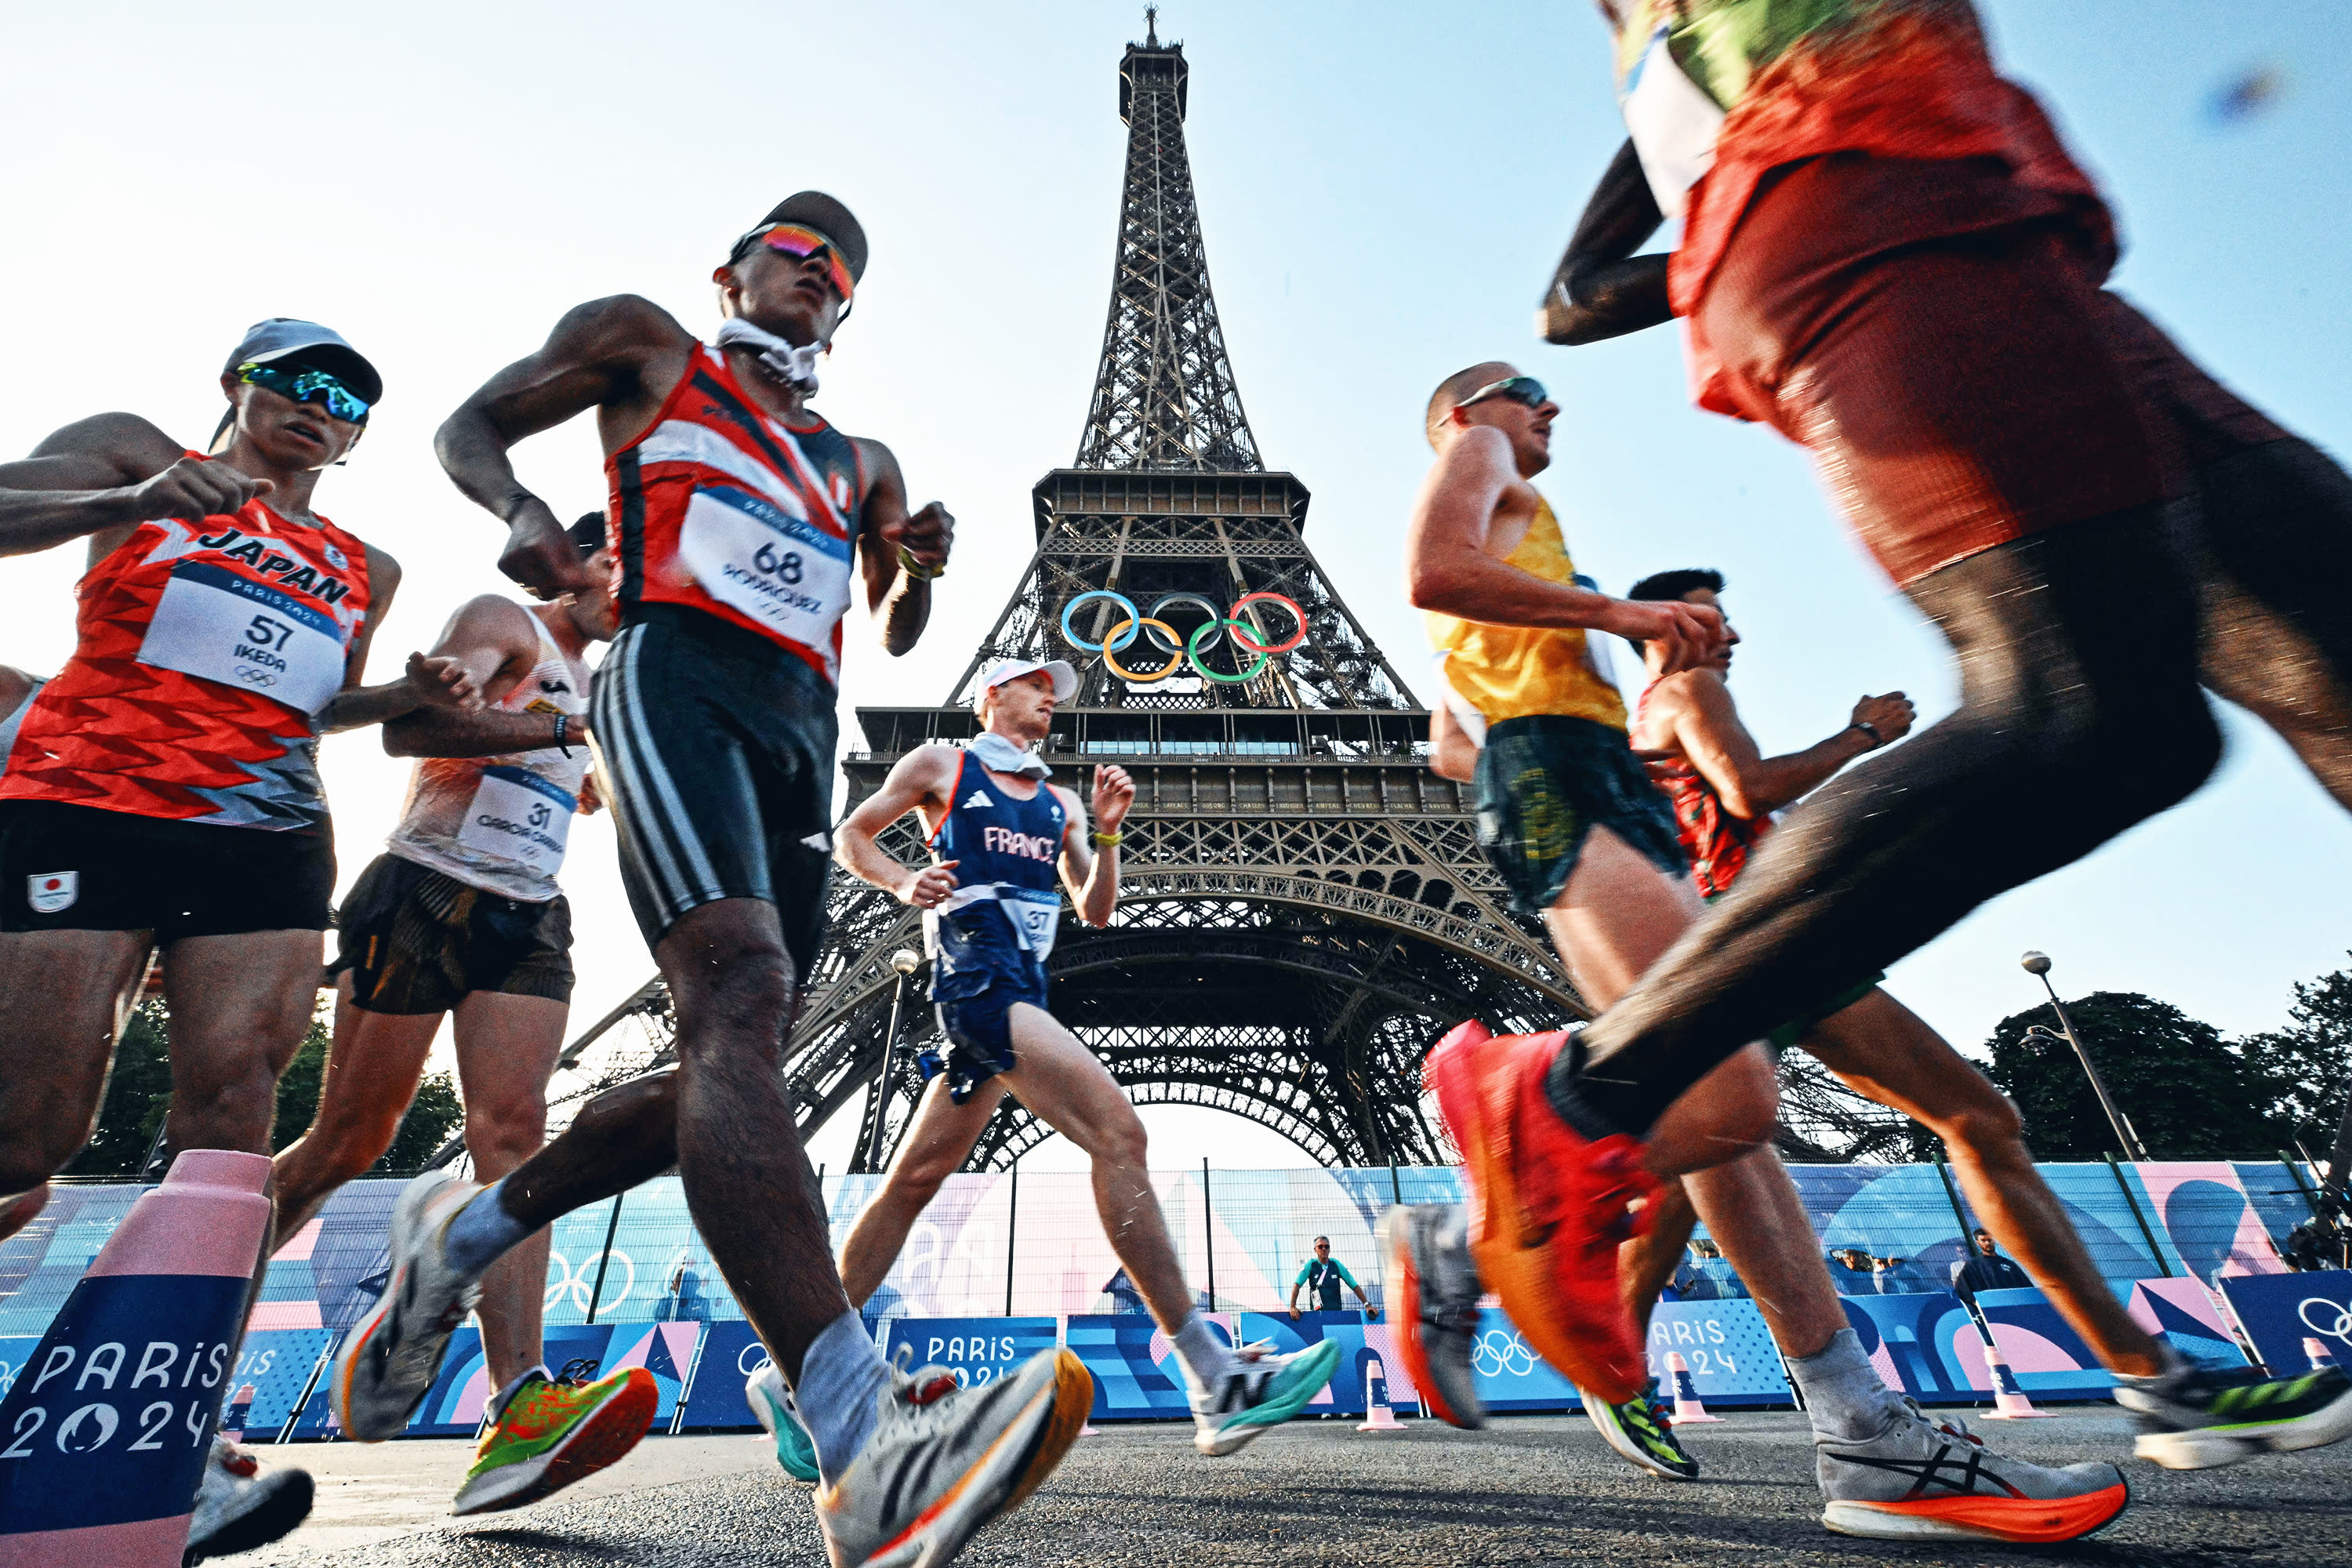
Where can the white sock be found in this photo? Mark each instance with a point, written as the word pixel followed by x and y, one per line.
pixel 1843 1395
pixel 1206 1357
pixel 840 1374
pixel 482 1233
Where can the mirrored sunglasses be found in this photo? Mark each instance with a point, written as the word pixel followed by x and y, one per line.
pixel 307 386
pixel 791 239
pixel 1520 389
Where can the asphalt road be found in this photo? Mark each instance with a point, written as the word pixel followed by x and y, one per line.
pixel 1529 1489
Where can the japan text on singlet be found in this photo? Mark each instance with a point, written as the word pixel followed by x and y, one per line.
pixel 1008 853
pixel 500 823
pixel 721 509
pixel 1517 672
pixel 1714 842
pixel 206 650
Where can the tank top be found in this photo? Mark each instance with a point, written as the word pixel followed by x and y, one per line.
pixel 500 823
pixel 1518 672
pixel 205 651
pixel 1714 842
pixel 1008 853
pixel 8 725
pixel 723 510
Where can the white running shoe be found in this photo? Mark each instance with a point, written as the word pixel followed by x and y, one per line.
pixel 780 1417
pixel 1259 1391
pixel 943 1460
pixel 238 1507
pixel 387 1363
pixel 1920 1479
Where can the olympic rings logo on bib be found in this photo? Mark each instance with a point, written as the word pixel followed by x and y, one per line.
pixel 1182 650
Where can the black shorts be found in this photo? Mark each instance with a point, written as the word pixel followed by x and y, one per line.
pixel 718 746
pixel 79 868
pixel 416 940
pixel 1546 781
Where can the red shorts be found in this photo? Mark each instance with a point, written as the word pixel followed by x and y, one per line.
pixel 2202 420
pixel 1932 333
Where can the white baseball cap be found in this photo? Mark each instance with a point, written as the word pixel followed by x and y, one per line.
pixel 1065 678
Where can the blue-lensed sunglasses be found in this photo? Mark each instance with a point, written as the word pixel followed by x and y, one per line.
pixel 307 386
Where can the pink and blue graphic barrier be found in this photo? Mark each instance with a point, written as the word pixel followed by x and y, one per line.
pixel 2281 1310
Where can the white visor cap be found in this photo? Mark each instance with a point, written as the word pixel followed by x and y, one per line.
pixel 1065 678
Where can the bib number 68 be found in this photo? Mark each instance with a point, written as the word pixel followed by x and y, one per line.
pixel 786 565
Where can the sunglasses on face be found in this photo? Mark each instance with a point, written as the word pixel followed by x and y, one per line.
pixel 1524 390
pixel 307 386
pixel 791 239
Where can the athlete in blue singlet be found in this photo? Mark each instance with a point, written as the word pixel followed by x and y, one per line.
pixel 999 834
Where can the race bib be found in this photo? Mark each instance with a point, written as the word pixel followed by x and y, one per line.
pixel 217 625
pixel 519 817
pixel 1036 920
pixel 783 572
pixel 1673 123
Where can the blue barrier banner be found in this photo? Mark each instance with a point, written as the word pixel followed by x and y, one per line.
pixel 2048 1356
pixel 977 1350
pixel 2184 1312
pixel 1730 1353
pixel 15 1351
pixel 731 1353
pixel 1922 1344
pixel 1509 1375
pixel 276 1363
pixel 2281 1310
pixel 1134 1365
pixel 1344 1395
pixel 453 1406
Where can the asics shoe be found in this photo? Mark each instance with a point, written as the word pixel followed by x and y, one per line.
pixel 1547 1206
pixel 1435 1293
pixel 388 1361
pixel 772 1402
pixel 544 1435
pixel 2197 1418
pixel 1921 1481
pixel 1261 1391
pixel 238 1507
pixel 944 1461
pixel 1638 1430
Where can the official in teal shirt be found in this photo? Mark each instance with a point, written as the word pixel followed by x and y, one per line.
pixel 1322 1275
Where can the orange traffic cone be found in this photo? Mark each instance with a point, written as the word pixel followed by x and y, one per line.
pixel 1688 1410
pixel 1378 1416
pixel 2008 1401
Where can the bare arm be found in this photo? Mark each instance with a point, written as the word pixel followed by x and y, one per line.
pixel 1603 290
pixel 1707 728
pixel 102 476
pixel 605 353
pixel 493 641
pixel 433 682
pixel 899 598
pixel 1093 878
pixel 927 774
pixel 1449 569
pixel 1452 754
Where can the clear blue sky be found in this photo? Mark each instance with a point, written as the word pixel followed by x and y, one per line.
pixel 1383 193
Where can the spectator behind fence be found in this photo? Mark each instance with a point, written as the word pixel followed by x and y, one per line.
pixel 1987 1269
pixel 1712 1277
pixel 1850 1271
pixel 1322 1274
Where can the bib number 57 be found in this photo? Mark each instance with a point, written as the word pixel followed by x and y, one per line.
pixel 267 631
pixel 786 565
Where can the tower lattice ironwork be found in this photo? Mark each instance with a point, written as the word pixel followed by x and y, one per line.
pixel 1305 907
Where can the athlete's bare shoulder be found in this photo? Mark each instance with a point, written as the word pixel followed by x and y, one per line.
pixel 619 326
pixel 104 449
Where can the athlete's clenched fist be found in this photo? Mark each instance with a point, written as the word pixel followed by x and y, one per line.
pixel 927 536
pixel 193 488
pixel 928 889
pixel 1114 794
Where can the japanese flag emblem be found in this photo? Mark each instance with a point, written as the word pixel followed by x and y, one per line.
pixel 51 892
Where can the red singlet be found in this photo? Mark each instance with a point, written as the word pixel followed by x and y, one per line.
pixel 1716 842
pixel 204 651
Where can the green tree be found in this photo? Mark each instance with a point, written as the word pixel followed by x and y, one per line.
pixel 2188 1095
pixel 2306 1067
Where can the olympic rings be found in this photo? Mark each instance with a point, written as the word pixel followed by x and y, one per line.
pixel 1192 652
pixel 1207 608
pixel 1110 657
pixel 1122 601
pixel 1296 613
pixel 2339 1328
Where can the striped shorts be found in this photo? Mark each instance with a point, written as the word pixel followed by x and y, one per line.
pixel 717 747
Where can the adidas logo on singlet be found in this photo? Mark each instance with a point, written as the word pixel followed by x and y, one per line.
pixel 978 801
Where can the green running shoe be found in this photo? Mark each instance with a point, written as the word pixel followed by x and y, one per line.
pixel 1261 1391
pixel 544 1436
pixel 2196 1419
pixel 772 1402
pixel 1638 1430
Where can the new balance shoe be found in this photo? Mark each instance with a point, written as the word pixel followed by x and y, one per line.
pixel 2197 1418
pixel 1638 1429
pixel 944 1461
pixel 1922 1480
pixel 387 1363
pixel 772 1402
pixel 238 1506
pixel 1260 1392
pixel 1549 1206
pixel 1434 1291
pixel 544 1435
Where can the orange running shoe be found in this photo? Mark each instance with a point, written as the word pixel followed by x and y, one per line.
pixel 1548 1207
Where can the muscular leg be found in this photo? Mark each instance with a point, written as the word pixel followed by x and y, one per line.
pixel 240 1005
pixel 1646 1265
pixel 1884 1050
pixel 2080 715
pixel 507 1048
pixel 1752 1210
pixel 624 1136
pixel 63 997
pixel 374 1066
pixel 937 1143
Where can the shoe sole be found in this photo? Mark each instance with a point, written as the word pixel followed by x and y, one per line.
pixel 2210 1447
pixel 2029 1520
pixel 1243 1430
pixel 1404 1315
pixel 275 1514
pixel 1025 1461
pixel 1612 1432
pixel 347 1364
pixel 602 1438
pixel 1523 1277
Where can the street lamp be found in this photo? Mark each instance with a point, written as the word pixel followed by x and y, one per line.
pixel 904 962
pixel 2038 965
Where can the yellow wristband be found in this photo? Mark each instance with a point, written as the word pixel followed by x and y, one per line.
pixel 1109 840
pixel 915 569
